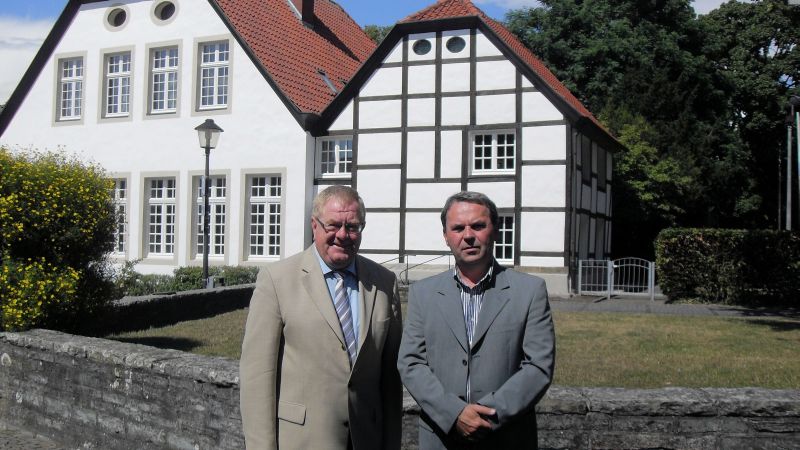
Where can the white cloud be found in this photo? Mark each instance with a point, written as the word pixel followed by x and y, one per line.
pixel 20 39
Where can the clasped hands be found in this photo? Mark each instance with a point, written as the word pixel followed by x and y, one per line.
pixel 472 423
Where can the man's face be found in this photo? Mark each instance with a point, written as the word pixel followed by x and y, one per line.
pixel 336 247
pixel 470 234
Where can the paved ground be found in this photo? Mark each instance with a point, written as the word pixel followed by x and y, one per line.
pixel 16 439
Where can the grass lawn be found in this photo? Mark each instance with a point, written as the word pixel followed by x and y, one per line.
pixel 597 349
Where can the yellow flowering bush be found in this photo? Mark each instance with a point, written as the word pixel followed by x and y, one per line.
pixel 56 227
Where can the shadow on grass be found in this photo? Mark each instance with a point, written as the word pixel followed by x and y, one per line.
pixel 174 343
pixel 778 325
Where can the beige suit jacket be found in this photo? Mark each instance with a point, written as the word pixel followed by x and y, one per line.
pixel 297 388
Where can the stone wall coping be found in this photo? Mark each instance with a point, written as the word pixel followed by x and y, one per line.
pixel 207 369
pixel 192 294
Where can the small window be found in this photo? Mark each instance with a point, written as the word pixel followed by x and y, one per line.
pixel 120 200
pixel 117 17
pixel 335 157
pixel 493 152
pixel 422 47
pixel 214 70
pixel 264 216
pixel 456 44
pixel 165 10
pixel 217 214
pixel 70 88
pixel 504 245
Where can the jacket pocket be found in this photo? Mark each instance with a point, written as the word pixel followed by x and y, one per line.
pixel 292 412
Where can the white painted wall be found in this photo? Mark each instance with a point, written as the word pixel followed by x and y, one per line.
pixel 379 114
pixel 536 107
pixel 447 54
pixel 424 232
pixel 422 79
pixel 384 81
pixel 544 143
pixel 421 154
pixel 484 46
pixel 429 195
pixel 542 232
pixel 495 75
pixel 544 186
pixel 145 146
pixel 382 231
pixel 451 153
pixel 421 112
pixel 379 148
pixel 492 109
pixel 455 110
pixel 455 77
pixel 380 188
pixel 502 194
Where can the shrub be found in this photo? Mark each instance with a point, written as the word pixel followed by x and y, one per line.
pixel 754 267
pixel 56 226
pixel 130 282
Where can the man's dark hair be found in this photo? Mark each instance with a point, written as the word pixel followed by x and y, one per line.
pixel 472 197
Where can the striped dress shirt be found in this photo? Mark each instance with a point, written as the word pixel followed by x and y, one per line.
pixel 471 301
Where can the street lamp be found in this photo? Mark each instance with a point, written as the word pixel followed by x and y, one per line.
pixel 208 133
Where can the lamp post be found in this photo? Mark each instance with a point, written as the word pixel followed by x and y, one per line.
pixel 208 133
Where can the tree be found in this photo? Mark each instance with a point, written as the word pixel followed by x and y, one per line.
pixel 756 47
pixel 377 33
pixel 56 227
pixel 645 60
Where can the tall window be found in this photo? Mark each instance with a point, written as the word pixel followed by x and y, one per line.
pixel 70 89
pixel 120 198
pixel 216 206
pixel 118 85
pixel 214 62
pixel 161 216
pixel 335 157
pixel 164 80
pixel 264 207
pixel 493 152
pixel 504 245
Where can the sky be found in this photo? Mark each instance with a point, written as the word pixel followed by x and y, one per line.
pixel 25 23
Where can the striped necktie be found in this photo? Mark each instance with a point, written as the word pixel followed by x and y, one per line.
pixel 342 303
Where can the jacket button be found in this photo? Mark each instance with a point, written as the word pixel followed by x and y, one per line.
pixel 346 424
pixel 464 362
pixel 344 348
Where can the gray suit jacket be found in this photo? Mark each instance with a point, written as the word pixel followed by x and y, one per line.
pixel 297 388
pixel 510 363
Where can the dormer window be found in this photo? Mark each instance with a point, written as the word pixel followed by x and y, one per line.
pixel 327 81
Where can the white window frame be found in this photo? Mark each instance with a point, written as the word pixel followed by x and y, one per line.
pixel 491 163
pixel 120 201
pixel 213 74
pixel 161 216
pixel 332 161
pixel 70 88
pixel 117 92
pixel 217 203
pixel 164 79
pixel 504 244
pixel 264 194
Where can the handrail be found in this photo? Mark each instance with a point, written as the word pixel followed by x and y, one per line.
pixel 389 260
pixel 407 269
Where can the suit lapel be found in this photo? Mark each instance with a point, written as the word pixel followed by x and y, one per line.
pixel 366 298
pixel 314 284
pixel 494 299
pixel 449 302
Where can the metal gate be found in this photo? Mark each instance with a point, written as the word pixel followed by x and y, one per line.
pixel 624 276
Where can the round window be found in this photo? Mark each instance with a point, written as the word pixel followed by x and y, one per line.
pixel 117 16
pixel 455 44
pixel 422 47
pixel 165 10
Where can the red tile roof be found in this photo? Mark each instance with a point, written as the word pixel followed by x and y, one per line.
pixel 447 9
pixel 293 53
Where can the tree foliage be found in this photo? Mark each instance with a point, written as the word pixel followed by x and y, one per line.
pixel 56 226
pixel 666 83
pixel 377 33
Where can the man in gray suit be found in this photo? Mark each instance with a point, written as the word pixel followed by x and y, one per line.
pixel 318 367
pixel 478 349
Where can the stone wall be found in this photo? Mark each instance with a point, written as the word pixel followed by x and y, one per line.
pixel 93 393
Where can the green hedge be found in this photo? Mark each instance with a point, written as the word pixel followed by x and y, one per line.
pixel 747 267
pixel 130 282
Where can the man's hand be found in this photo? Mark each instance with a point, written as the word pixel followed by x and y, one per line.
pixel 471 422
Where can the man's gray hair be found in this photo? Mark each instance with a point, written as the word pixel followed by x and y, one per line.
pixel 345 194
pixel 472 197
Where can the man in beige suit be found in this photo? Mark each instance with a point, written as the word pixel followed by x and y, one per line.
pixel 318 359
